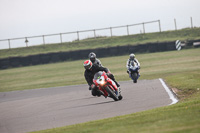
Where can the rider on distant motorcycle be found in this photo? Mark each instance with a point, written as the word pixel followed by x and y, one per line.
pixel 90 70
pixel 93 59
pixel 131 60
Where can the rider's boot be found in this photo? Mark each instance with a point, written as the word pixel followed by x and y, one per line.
pixel 118 88
pixel 117 91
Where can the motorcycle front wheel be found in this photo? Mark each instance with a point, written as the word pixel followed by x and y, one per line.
pixel 111 93
pixel 134 76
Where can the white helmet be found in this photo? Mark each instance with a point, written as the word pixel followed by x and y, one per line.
pixel 132 56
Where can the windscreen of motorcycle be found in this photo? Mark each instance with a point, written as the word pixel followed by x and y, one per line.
pixel 98 75
pixel 132 63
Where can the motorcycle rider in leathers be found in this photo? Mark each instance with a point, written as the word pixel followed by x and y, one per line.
pixel 93 59
pixel 130 60
pixel 90 70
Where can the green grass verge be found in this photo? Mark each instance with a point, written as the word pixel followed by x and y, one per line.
pixel 183 35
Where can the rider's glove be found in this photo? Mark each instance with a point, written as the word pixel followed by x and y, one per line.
pixel 92 87
pixel 108 72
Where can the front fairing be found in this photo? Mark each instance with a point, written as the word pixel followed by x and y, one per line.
pixel 100 78
pixel 133 68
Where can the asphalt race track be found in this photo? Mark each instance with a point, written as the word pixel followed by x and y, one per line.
pixel 38 109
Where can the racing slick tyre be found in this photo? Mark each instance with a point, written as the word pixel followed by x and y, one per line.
pixel 111 93
pixel 134 76
pixel 120 97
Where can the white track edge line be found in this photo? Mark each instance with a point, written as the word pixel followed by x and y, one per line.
pixel 171 96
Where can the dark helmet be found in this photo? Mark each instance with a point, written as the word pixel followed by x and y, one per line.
pixel 92 57
pixel 87 64
pixel 132 56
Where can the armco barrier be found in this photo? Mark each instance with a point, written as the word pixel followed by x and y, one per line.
pixel 12 62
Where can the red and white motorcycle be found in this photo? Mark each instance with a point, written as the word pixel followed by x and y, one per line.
pixel 107 86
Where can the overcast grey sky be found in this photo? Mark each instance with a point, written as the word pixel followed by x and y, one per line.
pixel 20 18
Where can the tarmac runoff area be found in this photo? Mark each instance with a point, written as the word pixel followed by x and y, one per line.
pixel 39 109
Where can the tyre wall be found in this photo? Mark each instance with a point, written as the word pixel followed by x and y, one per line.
pixel 12 62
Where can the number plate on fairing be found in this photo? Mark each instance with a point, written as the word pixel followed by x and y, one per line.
pixel 100 79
